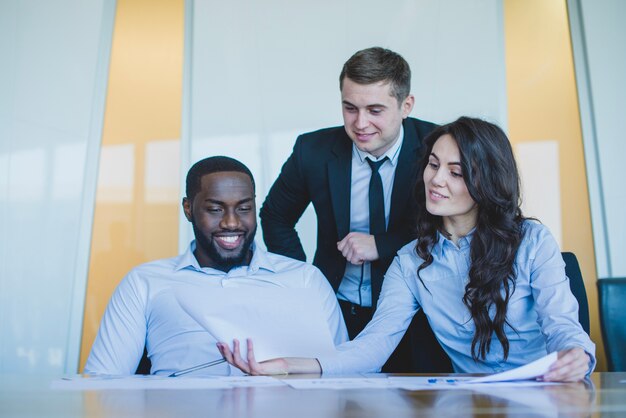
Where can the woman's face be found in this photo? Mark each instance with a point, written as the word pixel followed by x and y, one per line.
pixel 446 192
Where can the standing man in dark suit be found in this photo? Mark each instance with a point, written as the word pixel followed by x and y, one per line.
pixel 360 225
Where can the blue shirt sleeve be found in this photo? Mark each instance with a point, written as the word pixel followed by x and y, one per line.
pixel 316 280
pixel 120 340
pixel 369 351
pixel 556 306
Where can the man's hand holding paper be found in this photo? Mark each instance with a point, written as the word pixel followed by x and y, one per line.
pixel 282 322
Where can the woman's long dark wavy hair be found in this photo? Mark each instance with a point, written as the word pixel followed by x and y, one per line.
pixel 491 176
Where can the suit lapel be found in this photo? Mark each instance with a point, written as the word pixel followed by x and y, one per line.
pixel 339 180
pixel 403 182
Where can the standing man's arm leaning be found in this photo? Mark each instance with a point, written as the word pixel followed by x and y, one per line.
pixel 284 205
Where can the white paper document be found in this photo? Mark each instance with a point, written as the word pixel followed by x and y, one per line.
pixel 531 370
pixel 281 322
pixel 522 376
pixel 141 382
pixel 455 383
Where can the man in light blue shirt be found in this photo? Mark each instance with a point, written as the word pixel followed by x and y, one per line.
pixel 143 310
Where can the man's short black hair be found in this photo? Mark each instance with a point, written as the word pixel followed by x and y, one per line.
pixel 210 165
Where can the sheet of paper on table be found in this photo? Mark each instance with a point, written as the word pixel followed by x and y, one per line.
pixel 522 376
pixel 531 370
pixel 281 322
pixel 141 382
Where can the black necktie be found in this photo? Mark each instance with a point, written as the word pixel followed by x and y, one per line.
pixel 377 199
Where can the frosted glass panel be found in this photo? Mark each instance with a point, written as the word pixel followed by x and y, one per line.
pixel 604 36
pixel 65 183
pixel 49 78
pixel 263 72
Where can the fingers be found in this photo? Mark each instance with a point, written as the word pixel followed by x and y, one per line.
pixel 237 360
pixel 346 247
pixel 351 256
pixel 358 247
pixel 233 357
pixel 248 366
pixel 225 352
pixel 571 366
pixel 255 368
pixel 342 244
pixel 268 367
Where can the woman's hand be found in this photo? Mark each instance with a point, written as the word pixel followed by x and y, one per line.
pixel 269 367
pixel 572 366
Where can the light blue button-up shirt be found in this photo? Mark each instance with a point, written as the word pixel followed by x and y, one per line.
pixel 143 311
pixel 542 309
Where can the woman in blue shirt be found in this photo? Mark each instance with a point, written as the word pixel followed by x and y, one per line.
pixel 491 282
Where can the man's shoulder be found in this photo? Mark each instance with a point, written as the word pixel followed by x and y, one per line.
pixel 325 133
pixel 282 262
pixel 155 266
pixel 321 139
pixel 290 266
pixel 420 127
pixel 420 122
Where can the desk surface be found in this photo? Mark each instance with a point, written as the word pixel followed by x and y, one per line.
pixel 602 395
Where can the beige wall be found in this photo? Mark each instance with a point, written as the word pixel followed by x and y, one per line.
pixel 136 214
pixel 543 105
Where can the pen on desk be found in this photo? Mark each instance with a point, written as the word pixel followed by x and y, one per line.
pixel 198 367
pixel 434 380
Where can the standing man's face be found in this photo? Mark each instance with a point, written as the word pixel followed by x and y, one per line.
pixel 223 215
pixel 372 116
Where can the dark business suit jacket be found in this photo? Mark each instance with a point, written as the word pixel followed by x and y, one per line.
pixel 318 171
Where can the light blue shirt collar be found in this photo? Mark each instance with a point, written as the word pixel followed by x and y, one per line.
pixel 259 261
pixel 443 243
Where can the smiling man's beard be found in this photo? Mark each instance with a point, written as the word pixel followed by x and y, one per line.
pixel 211 249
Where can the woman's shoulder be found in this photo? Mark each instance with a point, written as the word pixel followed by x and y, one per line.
pixel 534 230
pixel 537 239
pixel 408 249
pixel 407 256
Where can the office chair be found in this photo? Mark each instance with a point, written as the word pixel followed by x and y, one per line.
pixel 577 285
pixel 611 295
pixel 427 356
pixel 145 364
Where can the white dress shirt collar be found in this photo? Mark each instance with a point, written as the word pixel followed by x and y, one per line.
pixel 392 153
